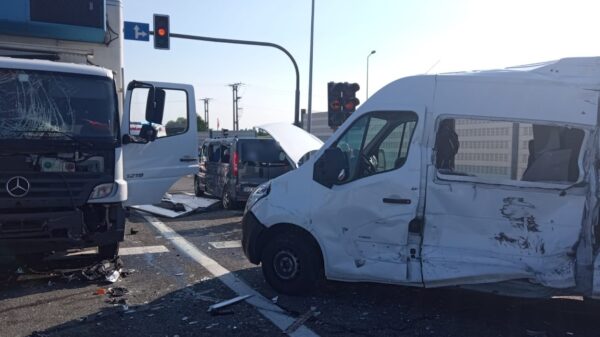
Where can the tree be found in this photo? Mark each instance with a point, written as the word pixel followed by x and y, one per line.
pixel 179 125
pixel 202 126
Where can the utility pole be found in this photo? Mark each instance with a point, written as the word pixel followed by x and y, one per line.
pixel 236 98
pixel 206 100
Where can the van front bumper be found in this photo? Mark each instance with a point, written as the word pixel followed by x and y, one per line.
pixel 252 230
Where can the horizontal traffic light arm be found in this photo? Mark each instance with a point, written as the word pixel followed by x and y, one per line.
pixel 253 43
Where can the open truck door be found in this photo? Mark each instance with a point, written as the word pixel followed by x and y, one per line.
pixel 159 136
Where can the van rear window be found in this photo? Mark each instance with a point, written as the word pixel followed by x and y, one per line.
pixel 262 151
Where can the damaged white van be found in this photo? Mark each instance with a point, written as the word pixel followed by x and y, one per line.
pixel 486 180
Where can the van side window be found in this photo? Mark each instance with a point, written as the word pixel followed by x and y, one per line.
pixel 507 150
pixel 225 150
pixel 214 152
pixel 377 142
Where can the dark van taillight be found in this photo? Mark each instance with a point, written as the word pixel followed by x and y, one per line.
pixel 235 164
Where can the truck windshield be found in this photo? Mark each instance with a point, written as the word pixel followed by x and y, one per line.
pixel 40 104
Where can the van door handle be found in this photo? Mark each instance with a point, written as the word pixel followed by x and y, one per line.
pixel 187 159
pixel 397 201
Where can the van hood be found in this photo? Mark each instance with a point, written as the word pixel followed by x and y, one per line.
pixel 294 141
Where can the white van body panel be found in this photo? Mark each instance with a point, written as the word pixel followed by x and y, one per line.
pixel 512 236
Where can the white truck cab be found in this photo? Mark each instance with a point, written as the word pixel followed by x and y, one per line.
pixel 486 180
pixel 69 161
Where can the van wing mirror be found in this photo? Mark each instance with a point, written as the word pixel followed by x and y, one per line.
pixel 331 167
pixel 155 105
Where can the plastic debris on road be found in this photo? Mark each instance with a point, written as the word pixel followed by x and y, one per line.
pixel 215 307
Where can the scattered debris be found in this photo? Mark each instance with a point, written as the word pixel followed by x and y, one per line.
pixel 184 318
pixel 534 333
pixel 215 307
pixel 107 270
pixel 212 325
pixel 275 299
pixel 133 231
pixel 117 301
pixel 100 291
pixel 179 274
pixel 312 312
pixel 177 205
pixel 117 291
pixel 226 244
pixel 114 276
pixel 193 323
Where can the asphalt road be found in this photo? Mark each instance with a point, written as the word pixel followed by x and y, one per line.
pixel 169 294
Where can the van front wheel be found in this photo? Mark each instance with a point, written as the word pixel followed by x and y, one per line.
pixel 291 265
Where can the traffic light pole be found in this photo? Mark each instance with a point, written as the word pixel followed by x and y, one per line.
pixel 253 43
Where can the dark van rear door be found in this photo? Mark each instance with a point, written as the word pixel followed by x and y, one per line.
pixel 261 160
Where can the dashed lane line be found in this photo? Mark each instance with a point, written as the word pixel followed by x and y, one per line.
pixel 269 310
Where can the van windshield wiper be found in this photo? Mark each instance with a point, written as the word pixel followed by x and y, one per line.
pixel 46 133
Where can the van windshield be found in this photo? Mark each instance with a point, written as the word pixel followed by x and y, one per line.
pixel 262 151
pixel 41 104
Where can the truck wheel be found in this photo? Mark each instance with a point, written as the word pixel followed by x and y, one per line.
pixel 227 200
pixel 108 252
pixel 197 191
pixel 291 264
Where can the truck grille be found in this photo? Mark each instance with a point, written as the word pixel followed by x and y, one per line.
pixel 49 190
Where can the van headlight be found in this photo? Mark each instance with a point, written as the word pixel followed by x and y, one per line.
pixel 259 193
pixel 102 191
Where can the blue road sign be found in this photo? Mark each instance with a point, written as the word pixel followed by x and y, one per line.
pixel 136 31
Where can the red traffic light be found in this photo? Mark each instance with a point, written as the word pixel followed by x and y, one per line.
pixel 162 32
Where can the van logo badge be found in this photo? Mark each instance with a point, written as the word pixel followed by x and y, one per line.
pixel 17 187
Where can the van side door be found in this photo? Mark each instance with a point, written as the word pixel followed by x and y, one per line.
pixel 160 139
pixel 212 167
pixel 362 218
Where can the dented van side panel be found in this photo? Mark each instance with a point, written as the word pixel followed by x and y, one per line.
pixel 481 230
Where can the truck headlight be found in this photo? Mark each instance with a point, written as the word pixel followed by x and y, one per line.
pixel 102 191
pixel 259 193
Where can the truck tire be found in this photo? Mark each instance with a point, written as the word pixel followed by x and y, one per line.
pixel 197 191
pixel 108 252
pixel 291 264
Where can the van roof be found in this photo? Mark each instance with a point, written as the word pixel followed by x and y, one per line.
pixel 564 91
pixel 44 65
pixel 576 70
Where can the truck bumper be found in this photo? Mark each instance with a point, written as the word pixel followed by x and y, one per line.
pixel 45 232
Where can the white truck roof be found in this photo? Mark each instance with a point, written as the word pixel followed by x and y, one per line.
pixel 43 65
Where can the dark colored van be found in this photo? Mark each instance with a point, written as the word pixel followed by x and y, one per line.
pixel 231 168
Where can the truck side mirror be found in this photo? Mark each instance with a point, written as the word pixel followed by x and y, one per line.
pixel 155 105
pixel 331 167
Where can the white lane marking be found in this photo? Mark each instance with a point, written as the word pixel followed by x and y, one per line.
pixel 226 244
pixel 143 250
pixel 274 313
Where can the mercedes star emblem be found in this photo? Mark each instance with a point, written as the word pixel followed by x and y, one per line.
pixel 17 187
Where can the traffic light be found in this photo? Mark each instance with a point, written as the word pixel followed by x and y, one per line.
pixel 161 31
pixel 349 100
pixel 341 102
pixel 335 115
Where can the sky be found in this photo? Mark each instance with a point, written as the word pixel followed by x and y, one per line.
pixel 409 37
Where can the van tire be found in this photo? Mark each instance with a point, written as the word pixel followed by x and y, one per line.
pixel 291 264
pixel 227 201
pixel 197 191
pixel 108 252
